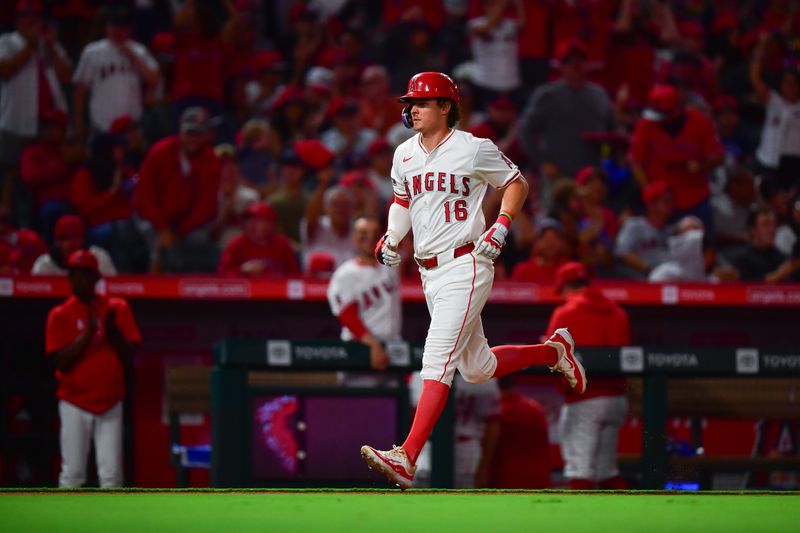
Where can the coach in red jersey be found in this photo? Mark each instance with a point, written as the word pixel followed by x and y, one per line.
pixel 589 424
pixel 87 338
pixel 259 250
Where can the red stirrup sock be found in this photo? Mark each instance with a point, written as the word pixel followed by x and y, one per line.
pixel 431 404
pixel 513 358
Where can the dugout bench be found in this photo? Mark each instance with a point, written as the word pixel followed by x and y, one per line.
pixel 697 391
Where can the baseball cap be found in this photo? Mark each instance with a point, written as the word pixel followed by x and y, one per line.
pixel 69 226
pixel 313 153
pixel 568 46
pixel 654 191
pixel 288 95
pixel 83 259
pixel 341 105
pixel 355 178
pixel 121 124
pixel 195 119
pixel 55 116
pixel 260 210
pixel 662 102
pixel 163 43
pixel 548 223
pixel 585 175
pixel 725 103
pixel 569 272
pixel 321 265
pixel 503 103
pixel 377 146
pixel 28 7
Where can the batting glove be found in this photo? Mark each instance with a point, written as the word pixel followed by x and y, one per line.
pixel 492 241
pixel 386 251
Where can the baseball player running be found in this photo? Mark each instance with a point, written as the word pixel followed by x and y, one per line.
pixel 439 177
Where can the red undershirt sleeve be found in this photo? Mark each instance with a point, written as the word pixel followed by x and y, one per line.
pixel 350 319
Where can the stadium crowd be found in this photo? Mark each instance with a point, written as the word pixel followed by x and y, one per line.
pixel 661 139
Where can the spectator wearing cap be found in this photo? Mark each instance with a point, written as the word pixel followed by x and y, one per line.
pixel 46 173
pixel 680 147
pixel 327 226
pixel 235 196
pixel 759 259
pixel 261 92
pixel 290 200
pixel 589 424
pixel 259 250
pixel 70 236
pixel 493 40
pixel 91 339
pixel 318 90
pixel 102 192
pixel 177 196
pixel 258 155
pixel 559 113
pixel 289 113
pixel 501 127
pixel 19 248
pixel 642 241
pixel 379 108
pixel 111 74
pixel 779 149
pixel 598 225
pixel 379 154
pixel 347 138
pixel 201 60
pixel 688 65
pixel 131 133
pixel 731 207
pixel 32 67
pixel 365 201
pixel 548 253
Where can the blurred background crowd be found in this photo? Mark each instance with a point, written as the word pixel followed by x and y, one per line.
pixel 661 139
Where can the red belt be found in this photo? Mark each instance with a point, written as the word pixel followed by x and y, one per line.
pixel 433 262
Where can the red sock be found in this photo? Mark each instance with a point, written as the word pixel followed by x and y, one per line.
pixel 431 404
pixel 513 358
pixel 614 483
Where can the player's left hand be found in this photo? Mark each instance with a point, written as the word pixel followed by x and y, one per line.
pixel 492 241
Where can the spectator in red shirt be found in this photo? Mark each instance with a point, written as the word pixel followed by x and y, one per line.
pixel 46 173
pixel 177 195
pixel 201 62
pixel 90 338
pixel 589 424
pixel 19 248
pixel 259 250
pixel 522 456
pixel 547 254
pixel 679 146
pixel 102 190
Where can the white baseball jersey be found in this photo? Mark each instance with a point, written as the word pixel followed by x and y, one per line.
pixel 112 79
pixel 445 188
pixel 376 290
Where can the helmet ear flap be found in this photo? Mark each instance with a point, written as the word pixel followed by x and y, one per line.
pixel 408 122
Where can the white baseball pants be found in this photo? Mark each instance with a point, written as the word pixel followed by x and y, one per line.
pixel 589 433
pixel 456 293
pixel 78 429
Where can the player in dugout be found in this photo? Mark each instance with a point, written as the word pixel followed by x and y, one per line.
pixel 440 176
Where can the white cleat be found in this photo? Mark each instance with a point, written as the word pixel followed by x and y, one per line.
pixel 567 364
pixel 394 464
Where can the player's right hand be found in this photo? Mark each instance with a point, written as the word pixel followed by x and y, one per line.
pixel 386 251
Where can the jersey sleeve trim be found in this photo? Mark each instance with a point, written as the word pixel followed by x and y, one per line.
pixel 517 175
pixel 401 200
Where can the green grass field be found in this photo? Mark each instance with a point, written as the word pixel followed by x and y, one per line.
pixel 379 511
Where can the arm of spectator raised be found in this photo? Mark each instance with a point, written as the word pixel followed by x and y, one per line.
pixel 761 88
pixel 316 204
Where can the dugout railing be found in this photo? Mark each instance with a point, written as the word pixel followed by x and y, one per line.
pixel 234 359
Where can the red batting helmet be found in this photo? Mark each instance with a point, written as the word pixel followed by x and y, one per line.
pixel 430 85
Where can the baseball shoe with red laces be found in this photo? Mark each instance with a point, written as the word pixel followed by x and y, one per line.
pixel 567 364
pixel 394 464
